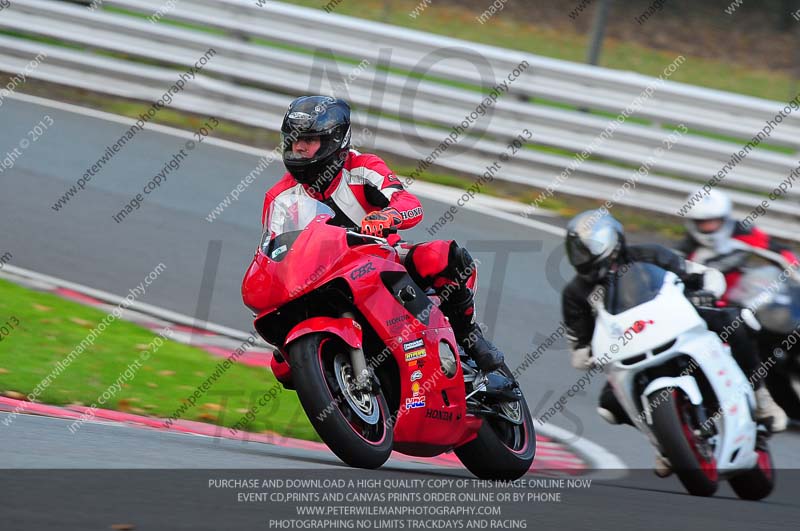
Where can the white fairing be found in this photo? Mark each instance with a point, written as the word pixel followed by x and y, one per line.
pixel 666 318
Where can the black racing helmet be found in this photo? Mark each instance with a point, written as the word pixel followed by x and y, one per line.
pixel 312 116
pixel 594 241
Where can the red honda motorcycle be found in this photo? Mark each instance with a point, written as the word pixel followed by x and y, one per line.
pixel 374 361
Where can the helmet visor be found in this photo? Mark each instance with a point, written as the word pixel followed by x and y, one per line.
pixel 708 226
pixel 581 252
pixel 329 142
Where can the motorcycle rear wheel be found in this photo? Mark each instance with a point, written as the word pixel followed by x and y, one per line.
pixel 502 450
pixel 352 423
pixel 674 432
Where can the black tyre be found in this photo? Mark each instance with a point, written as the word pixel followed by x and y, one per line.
pixel 502 450
pixel 757 483
pixel 691 460
pixel 352 423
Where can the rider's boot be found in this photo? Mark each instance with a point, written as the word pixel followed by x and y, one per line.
pixel 459 308
pixel 663 467
pixel 768 412
pixel 607 415
pixel 610 409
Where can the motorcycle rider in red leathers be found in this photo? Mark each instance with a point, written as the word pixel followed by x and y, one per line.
pixel 711 229
pixel 365 194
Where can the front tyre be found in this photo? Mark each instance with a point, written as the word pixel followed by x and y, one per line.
pixel 502 450
pixel 351 422
pixel 691 458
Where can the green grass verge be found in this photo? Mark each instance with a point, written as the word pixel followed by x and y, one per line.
pixel 51 327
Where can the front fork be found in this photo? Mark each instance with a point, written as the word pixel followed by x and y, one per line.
pixel 358 361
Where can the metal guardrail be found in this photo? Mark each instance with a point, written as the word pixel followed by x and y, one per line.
pixel 251 81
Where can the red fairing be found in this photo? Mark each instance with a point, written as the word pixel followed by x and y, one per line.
pixel 347 329
pixel 281 370
pixel 761 240
pixel 268 285
pixel 789 255
pixel 432 415
pixel 364 185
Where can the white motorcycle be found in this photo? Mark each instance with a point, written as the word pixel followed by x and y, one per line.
pixel 679 383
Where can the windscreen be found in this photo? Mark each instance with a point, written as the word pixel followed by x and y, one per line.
pixel 293 212
pixel 289 214
pixel 631 285
pixel 757 286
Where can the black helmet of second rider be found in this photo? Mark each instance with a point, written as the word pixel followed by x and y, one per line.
pixel 325 121
pixel 594 242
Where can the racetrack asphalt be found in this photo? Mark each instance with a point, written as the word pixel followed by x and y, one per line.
pixel 82 243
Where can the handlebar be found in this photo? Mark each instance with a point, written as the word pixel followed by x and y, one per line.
pixel 393 239
pixel 368 236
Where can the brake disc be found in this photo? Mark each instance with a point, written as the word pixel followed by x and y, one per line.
pixel 364 404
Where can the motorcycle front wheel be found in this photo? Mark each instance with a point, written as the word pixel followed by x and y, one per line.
pixel 691 459
pixel 757 483
pixel 351 422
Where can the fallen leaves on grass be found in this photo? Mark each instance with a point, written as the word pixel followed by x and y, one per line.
pixel 15 395
pixel 83 322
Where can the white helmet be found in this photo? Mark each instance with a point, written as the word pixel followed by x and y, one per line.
pixel 714 206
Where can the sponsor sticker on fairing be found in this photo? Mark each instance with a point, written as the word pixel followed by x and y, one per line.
pixel 420 363
pixel 416 402
pixel 416 375
pixel 278 251
pixel 414 350
pixel 416 354
pixel 413 345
